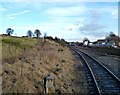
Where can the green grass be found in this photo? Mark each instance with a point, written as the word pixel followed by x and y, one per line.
pixel 19 42
pixel 14 46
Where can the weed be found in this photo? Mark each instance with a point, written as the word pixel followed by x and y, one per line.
pixel 63 61
pixel 60 49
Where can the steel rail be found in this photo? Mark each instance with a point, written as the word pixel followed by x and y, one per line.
pixel 97 87
pixel 100 65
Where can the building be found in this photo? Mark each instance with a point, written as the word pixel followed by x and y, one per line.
pixel 72 43
pixel 114 38
pixel 119 42
pixel 101 41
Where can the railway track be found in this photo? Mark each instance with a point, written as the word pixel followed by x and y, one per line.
pixel 105 81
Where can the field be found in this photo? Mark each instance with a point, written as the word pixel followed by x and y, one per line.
pixel 26 63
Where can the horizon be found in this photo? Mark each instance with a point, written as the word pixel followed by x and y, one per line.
pixel 70 21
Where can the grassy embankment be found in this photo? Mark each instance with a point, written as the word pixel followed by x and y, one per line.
pixel 25 65
pixel 14 47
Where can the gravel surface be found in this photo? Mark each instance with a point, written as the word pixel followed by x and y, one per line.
pixel 112 62
pixel 81 82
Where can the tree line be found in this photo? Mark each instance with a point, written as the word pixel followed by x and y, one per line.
pixel 36 33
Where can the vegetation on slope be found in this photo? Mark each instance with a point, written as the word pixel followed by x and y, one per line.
pixel 32 62
pixel 13 47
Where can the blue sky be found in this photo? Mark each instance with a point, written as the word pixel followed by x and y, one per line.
pixel 69 20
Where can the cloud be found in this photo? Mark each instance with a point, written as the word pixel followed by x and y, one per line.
pixel 95 30
pixel 112 11
pixel 12 16
pixel 95 15
pixel 66 11
pixel 115 14
pixel 60 0
pixel 2 9
pixel 17 0
pixel 94 27
pixel 91 27
pixel 51 28
pixel 26 5
pixel 65 20
pixel 15 14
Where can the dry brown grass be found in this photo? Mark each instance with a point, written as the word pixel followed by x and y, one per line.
pixel 38 62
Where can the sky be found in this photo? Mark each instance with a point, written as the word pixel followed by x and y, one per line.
pixel 72 21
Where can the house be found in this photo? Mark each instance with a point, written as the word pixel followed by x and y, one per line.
pixel 72 44
pixel 101 41
pixel 105 43
pixel 112 41
pixel 119 44
pixel 114 38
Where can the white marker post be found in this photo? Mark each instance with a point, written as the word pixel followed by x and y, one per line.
pixel 48 84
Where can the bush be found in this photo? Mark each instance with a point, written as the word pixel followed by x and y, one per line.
pixel 60 41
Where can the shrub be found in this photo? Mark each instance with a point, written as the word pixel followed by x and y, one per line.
pixel 63 61
pixel 60 49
